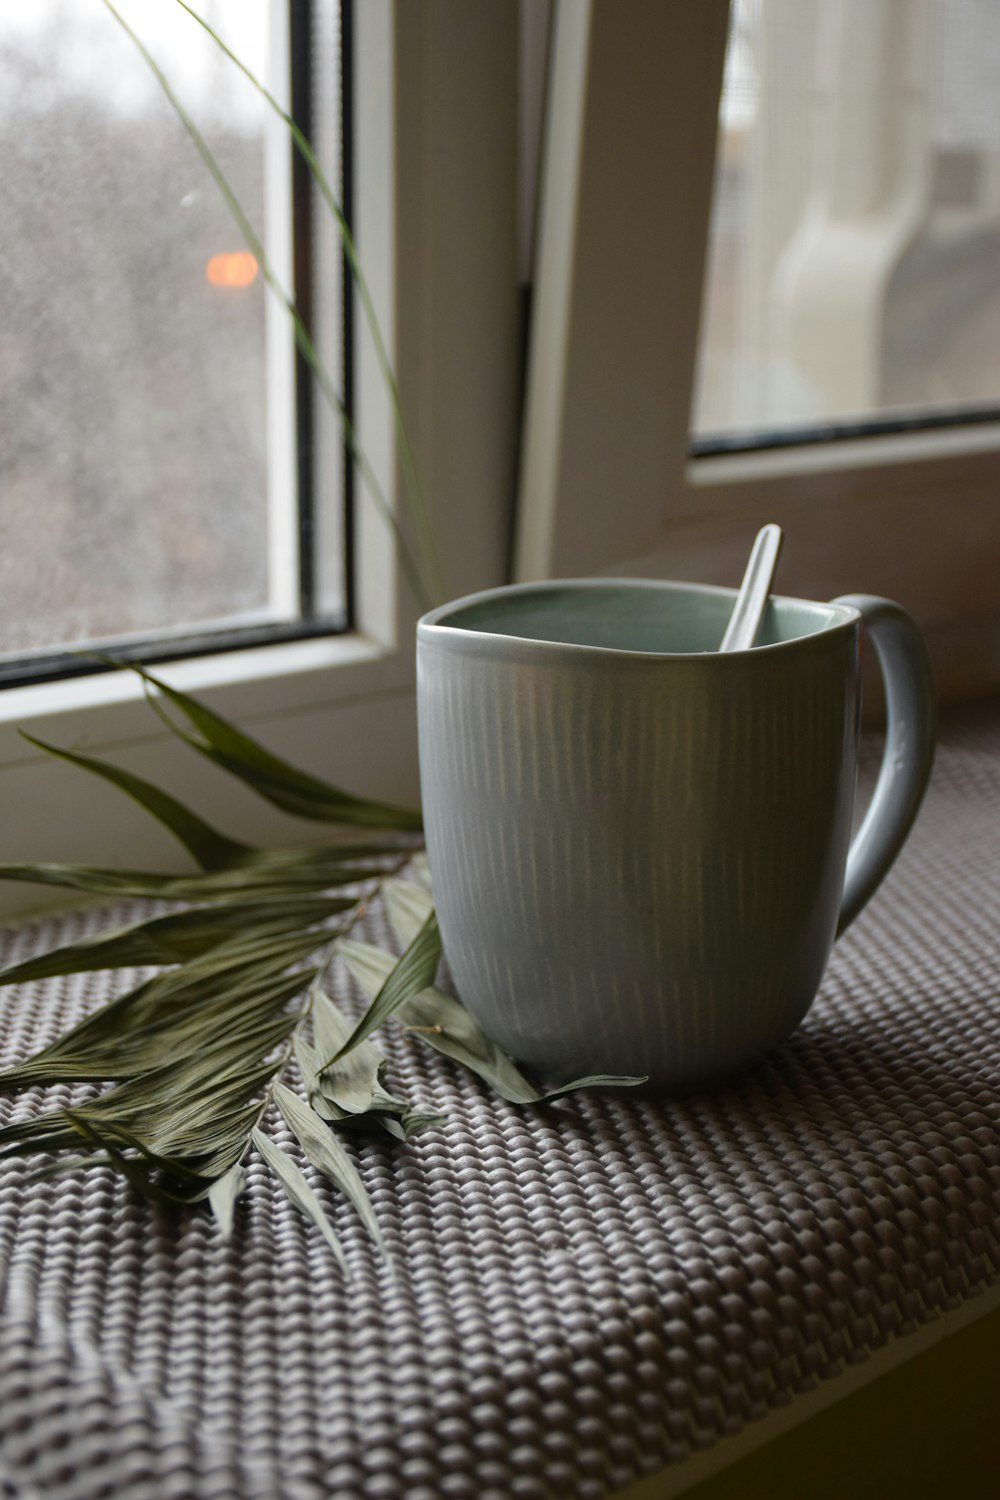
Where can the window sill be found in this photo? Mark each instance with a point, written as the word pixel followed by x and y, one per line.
pixel 250 685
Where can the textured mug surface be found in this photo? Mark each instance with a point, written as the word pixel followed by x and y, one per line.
pixel 637 844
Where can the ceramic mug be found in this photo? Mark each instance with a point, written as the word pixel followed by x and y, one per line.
pixel 640 847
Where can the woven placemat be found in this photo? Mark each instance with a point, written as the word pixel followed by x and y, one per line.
pixel 584 1292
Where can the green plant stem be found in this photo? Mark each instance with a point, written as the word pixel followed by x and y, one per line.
pixel 305 150
pixel 303 338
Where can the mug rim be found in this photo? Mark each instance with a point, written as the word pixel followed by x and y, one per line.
pixel 433 625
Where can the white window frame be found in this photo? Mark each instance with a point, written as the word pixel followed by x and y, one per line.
pixel 435 140
pixel 607 484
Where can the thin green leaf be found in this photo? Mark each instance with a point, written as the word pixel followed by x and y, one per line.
pixel 328 1156
pixel 299 1192
pixel 100 1055
pixel 139 1170
pixel 190 1119
pixel 222 1196
pixel 369 966
pixel 413 1122
pixel 302 145
pixel 211 849
pixel 173 939
pixel 223 1140
pixel 259 880
pixel 235 981
pixel 354 1082
pixel 294 791
pixel 350 1095
pixel 113 1134
pixel 262 950
pixel 303 339
pixel 175 1109
pixel 128 1168
pixel 444 1024
pixel 408 906
pixel 309 1060
pixel 412 972
pixel 237 1008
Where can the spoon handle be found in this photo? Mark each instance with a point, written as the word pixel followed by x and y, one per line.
pixel 744 623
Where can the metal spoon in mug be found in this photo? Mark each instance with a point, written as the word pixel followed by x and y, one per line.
pixel 751 601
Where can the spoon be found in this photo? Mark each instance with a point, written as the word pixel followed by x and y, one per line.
pixel 751 601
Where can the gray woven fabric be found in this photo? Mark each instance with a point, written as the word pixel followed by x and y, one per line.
pixel 584 1292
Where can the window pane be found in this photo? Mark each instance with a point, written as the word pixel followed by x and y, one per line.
pixel 147 461
pixel 853 267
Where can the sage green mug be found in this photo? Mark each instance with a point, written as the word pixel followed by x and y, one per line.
pixel 640 847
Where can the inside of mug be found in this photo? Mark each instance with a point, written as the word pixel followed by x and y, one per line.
pixel 660 618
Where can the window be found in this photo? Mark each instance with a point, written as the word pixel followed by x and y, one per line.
pixel 853 275
pixel 605 456
pixel 155 500
pixel 434 146
pixel 615 476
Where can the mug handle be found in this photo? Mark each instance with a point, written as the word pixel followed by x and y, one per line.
pixel 909 748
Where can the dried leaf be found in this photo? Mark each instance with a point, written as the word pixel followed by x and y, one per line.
pixel 211 849
pixel 294 791
pixel 271 875
pixel 294 1181
pixel 174 939
pixel 368 965
pixel 328 1156
pixel 413 1122
pixel 154 1176
pixel 242 980
pixel 192 1115
pixel 408 906
pixel 412 972
pixel 354 1082
pixel 444 1024
pixel 194 1054
pixel 350 1095
pixel 222 1196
